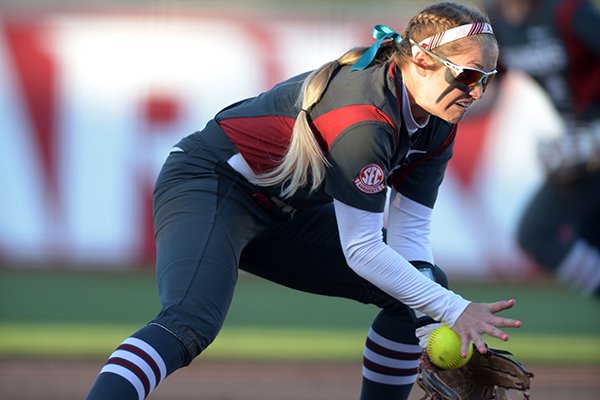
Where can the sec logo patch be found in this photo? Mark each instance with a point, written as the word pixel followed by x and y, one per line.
pixel 370 179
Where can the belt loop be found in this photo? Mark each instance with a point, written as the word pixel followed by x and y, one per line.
pixel 286 208
pixel 273 205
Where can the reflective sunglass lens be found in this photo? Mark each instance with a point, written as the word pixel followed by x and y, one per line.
pixel 469 77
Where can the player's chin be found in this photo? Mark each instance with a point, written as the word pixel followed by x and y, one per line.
pixel 454 118
pixel 455 113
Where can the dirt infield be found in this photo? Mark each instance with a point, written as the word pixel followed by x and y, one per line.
pixel 224 380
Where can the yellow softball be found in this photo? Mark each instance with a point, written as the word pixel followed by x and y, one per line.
pixel 443 348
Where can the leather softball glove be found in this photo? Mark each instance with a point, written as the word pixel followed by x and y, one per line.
pixel 489 376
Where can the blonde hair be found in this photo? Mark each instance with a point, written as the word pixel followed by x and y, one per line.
pixel 304 163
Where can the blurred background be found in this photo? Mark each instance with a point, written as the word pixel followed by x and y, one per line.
pixel 94 93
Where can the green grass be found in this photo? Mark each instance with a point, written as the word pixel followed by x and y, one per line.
pixel 76 315
pixel 97 341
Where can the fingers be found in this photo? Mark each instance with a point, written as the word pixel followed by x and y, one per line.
pixel 464 346
pixel 497 333
pixel 479 319
pixel 492 328
pixel 502 305
pixel 480 345
pixel 500 321
pixel 506 322
pixel 466 343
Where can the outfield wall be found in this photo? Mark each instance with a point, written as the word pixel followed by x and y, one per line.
pixel 91 102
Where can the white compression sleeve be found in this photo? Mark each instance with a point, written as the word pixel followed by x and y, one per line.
pixel 408 228
pixel 372 259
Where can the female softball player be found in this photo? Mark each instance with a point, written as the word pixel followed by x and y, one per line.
pixel 291 186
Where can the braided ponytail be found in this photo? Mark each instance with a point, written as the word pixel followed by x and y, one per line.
pixel 304 160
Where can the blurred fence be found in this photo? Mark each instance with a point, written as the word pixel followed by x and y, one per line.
pixel 91 102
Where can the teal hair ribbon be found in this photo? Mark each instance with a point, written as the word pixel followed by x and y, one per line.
pixel 381 33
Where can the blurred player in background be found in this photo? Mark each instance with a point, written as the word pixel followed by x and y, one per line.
pixel 556 43
pixel 291 186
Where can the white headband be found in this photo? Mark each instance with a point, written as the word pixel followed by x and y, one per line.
pixel 456 33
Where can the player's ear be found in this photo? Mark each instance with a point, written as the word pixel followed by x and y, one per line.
pixel 422 62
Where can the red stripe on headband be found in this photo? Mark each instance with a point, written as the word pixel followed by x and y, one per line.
pixel 440 38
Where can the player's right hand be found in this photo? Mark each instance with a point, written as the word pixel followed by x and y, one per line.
pixel 478 319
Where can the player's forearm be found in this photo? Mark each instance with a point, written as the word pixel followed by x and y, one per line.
pixel 393 274
pixel 376 262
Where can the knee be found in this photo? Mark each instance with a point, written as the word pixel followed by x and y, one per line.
pixel 195 331
pixel 440 276
pixel 432 271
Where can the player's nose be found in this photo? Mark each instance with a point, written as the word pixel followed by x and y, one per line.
pixel 476 92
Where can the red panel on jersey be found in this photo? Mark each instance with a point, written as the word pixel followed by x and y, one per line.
pixel 331 124
pixel 262 141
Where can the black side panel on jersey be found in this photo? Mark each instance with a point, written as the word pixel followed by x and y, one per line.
pixel 364 144
pixel 421 175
